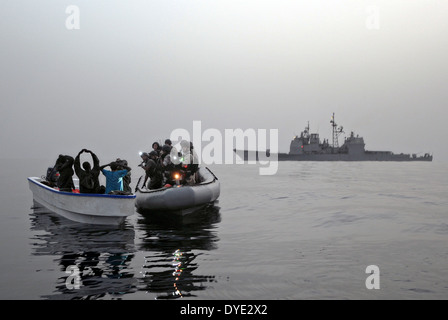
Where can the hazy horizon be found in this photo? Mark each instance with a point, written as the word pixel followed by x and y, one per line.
pixel 136 70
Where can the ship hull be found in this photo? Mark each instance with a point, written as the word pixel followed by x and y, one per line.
pixel 366 156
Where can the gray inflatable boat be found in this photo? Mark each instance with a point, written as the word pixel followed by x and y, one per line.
pixel 180 199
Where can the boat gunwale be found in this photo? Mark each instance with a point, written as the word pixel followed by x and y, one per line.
pixel 91 195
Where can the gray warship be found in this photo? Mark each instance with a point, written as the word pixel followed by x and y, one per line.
pixel 309 147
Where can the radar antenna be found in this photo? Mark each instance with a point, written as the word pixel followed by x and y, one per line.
pixel 336 132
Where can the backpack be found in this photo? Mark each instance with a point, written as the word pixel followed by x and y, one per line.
pixel 52 175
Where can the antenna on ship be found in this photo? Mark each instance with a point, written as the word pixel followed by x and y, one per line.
pixel 336 132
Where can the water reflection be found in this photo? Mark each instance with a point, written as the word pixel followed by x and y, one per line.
pixel 97 256
pixel 171 250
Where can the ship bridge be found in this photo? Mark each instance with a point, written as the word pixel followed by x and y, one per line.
pixel 306 143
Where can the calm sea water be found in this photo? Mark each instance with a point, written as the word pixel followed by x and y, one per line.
pixel 308 232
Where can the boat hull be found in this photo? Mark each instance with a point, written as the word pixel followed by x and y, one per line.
pixel 101 209
pixel 180 200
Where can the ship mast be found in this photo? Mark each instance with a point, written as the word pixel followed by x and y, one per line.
pixel 307 131
pixel 336 132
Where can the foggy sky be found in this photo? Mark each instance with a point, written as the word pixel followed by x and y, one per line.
pixel 136 70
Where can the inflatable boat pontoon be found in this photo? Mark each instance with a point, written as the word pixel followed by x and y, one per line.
pixel 182 199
